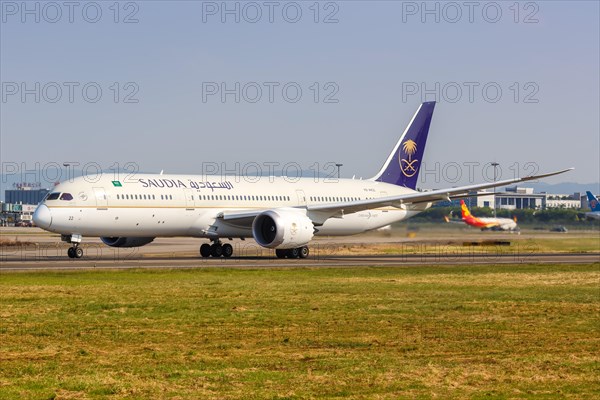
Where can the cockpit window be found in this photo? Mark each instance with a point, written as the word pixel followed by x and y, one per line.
pixel 66 196
pixel 53 196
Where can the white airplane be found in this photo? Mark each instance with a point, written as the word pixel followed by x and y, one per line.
pixel 277 213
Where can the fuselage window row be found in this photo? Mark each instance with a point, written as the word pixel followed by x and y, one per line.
pixel 324 199
pixel 68 196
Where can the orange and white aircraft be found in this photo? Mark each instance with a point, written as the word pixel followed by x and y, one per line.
pixel 502 224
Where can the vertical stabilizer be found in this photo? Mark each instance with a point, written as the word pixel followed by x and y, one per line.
pixel 593 201
pixel 464 210
pixel 403 164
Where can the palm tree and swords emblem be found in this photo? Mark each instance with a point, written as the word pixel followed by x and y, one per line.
pixel 408 167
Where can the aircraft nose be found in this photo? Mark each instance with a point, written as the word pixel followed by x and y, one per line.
pixel 42 217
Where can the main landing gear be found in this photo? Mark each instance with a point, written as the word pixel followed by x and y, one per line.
pixel 74 251
pixel 217 249
pixel 298 252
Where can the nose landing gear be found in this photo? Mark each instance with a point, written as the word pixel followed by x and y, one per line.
pixel 74 251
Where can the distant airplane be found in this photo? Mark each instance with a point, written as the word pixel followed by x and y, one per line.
pixel 594 206
pixel 484 223
pixel 278 213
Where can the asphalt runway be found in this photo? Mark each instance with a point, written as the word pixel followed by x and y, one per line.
pixel 271 262
pixel 40 251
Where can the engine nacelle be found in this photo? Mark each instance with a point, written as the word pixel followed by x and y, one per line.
pixel 126 241
pixel 282 229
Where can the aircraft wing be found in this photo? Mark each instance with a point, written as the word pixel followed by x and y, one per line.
pixel 424 197
pixel 321 212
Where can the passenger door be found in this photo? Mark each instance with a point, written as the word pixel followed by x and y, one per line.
pixel 189 199
pixel 101 200
pixel 301 197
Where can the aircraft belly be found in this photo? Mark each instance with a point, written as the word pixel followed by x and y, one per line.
pixel 157 222
pixel 359 222
pixel 223 229
pixel 133 222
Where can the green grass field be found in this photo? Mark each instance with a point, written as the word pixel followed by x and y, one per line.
pixel 508 331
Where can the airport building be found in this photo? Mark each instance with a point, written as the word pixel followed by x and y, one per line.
pixel 566 201
pixel 25 195
pixel 20 204
pixel 518 198
pixel 513 198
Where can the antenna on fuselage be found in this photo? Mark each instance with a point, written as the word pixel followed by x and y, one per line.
pixel 161 171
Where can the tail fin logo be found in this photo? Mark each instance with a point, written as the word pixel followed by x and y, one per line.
pixel 592 201
pixel 404 162
pixel 464 210
pixel 408 167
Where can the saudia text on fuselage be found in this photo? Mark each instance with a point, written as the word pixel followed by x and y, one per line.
pixel 176 183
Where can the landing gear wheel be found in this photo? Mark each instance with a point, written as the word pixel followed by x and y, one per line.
pixel 280 253
pixel 303 252
pixel 75 252
pixel 227 250
pixel 78 252
pixel 294 253
pixel 216 250
pixel 205 250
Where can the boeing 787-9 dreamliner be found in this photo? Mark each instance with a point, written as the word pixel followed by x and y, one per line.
pixel 278 213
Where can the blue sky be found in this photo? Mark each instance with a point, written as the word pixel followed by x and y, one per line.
pixel 366 66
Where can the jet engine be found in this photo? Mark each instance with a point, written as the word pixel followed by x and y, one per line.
pixel 126 241
pixel 282 229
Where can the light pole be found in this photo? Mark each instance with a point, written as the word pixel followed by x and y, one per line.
pixel 495 164
pixel 66 165
pixel 338 168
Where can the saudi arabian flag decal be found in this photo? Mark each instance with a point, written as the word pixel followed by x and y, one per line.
pixel 116 184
